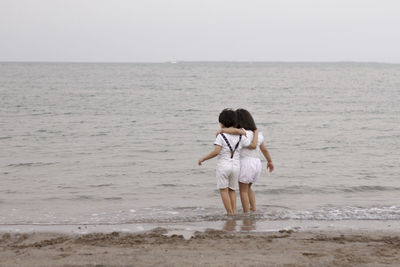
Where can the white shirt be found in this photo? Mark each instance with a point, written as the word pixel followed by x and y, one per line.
pixel 225 153
pixel 246 152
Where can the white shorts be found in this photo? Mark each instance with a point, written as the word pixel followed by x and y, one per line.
pixel 250 170
pixel 227 173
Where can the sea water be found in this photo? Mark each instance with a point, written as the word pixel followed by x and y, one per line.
pixel 105 144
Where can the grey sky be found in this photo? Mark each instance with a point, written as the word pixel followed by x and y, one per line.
pixel 201 30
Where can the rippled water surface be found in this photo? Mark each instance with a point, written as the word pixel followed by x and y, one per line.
pixel 119 143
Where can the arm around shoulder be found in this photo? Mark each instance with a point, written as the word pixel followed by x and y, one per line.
pixel 254 142
pixel 232 130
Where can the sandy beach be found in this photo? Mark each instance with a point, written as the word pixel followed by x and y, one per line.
pixel 209 248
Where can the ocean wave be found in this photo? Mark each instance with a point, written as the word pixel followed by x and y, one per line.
pixel 67 187
pixel 301 189
pixel 276 213
pixel 169 185
pixel 101 185
pixel 196 214
pixel 367 188
pixel 8 191
pixel 83 197
pixel 31 164
pixel 113 198
pixel 342 213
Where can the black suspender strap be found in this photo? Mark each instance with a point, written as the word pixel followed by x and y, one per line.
pixel 237 144
pixel 229 145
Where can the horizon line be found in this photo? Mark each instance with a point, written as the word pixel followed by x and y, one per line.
pixel 202 61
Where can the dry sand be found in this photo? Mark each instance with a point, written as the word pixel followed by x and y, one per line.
pixel 209 248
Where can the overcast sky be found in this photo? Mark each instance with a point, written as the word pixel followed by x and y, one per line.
pixel 200 30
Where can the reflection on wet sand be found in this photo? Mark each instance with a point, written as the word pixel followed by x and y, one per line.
pixel 230 225
pixel 248 224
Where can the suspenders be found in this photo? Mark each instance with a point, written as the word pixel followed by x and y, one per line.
pixel 229 145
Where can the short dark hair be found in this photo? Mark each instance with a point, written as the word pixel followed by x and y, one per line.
pixel 245 120
pixel 228 117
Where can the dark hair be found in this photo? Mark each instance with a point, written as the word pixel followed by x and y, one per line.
pixel 245 120
pixel 228 117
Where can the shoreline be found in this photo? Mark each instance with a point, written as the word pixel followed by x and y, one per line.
pixel 230 224
pixel 160 247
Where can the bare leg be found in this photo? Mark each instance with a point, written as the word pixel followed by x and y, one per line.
pixel 232 196
pixel 252 198
pixel 226 200
pixel 244 196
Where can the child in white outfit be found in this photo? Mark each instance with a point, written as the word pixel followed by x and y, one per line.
pixel 250 164
pixel 227 148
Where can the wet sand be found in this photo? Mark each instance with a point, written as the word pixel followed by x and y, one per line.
pixel 209 248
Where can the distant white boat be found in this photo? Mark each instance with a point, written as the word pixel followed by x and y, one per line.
pixel 173 62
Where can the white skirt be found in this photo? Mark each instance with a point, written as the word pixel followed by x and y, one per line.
pixel 250 170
